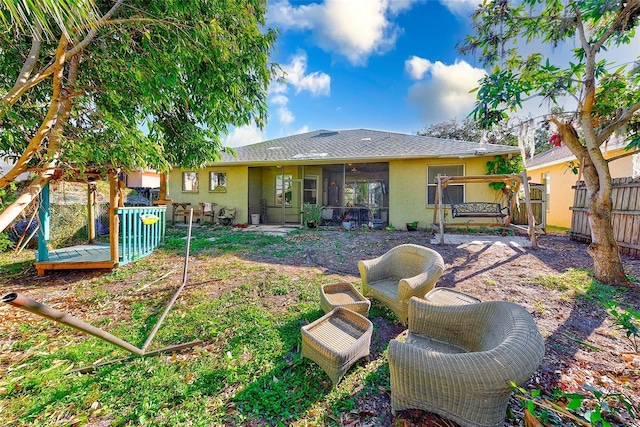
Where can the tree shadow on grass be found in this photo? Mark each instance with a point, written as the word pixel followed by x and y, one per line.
pixel 295 387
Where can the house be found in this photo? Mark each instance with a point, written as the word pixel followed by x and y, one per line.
pixel 386 177
pixel 558 170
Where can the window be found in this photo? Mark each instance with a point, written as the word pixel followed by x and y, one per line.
pixel 453 193
pixel 190 181
pixel 283 186
pixel 218 182
pixel 310 194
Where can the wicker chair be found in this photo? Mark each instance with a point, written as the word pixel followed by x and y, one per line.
pixel 458 361
pixel 401 273
pixel 227 215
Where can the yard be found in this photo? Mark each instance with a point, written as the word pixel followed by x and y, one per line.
pixel 247 296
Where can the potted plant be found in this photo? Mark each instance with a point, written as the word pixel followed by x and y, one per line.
pixel 312 214
pixel 412 226
pixel 346 220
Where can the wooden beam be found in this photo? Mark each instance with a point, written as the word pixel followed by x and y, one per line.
pixel 440 215
pixel 531 219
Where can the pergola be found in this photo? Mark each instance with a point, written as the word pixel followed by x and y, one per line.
pixel 514 181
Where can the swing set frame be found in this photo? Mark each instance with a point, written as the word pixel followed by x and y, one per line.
pixel 514 181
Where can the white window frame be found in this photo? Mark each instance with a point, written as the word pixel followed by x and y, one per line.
pixel 280 181
pixel 214 181
pixel 432 184
pixel 190 181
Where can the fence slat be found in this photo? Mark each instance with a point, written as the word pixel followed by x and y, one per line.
pixel 625 216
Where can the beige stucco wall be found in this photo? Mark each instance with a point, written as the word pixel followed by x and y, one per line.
pixel 408 191
pixel 559 183
pixel 236 194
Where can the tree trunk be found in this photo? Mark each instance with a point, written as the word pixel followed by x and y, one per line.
pixel 607 264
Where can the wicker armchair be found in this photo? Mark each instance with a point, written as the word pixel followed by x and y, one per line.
pixel 401 273
pixel 458 361
pixel 227 215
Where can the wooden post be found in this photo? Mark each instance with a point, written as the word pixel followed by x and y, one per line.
pixel 44 231
pixel 114 223
pixel 530 218
pixel 440 215
pixel 162 197
pixel 91 212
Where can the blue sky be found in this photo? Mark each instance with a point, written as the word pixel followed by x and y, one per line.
pixel 388 65
pixel 376 64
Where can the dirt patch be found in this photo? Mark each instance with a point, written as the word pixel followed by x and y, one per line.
pixel 582 344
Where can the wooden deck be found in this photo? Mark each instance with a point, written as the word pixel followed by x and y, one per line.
pixel 81 257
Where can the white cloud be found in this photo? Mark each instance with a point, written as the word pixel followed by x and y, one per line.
pixel 244 135
pixel 417 67
pixel 279 100
pixel 316 83
pixel 445 94
pixel 355 29
pixel 285 116
pixel 462 8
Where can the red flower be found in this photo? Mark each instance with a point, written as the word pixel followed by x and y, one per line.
pixel 556 140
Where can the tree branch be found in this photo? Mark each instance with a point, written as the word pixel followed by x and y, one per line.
pixel 32 57
pixel 20 88
pixel 49 120
pixel 621 156
pixel 623 17
pixel 618 123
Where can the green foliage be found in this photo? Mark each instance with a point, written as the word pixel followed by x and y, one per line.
pixel 182 71
pixel 5 242
pixel 500 28
pixel 628 320
pixel 502 166
pixel 313 212
pixel 590 407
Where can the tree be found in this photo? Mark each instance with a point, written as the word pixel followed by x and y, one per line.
pixel 126 84
pixel 469 130
pixel 607 97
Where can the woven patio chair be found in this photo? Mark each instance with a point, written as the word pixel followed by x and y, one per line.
pixel 337 340
pixel 403 272
pixel 227 215
pixel 458 360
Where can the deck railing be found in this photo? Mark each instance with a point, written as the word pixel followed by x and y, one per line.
pixel 140 238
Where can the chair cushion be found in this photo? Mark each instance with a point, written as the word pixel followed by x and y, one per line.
pixel 387 288
pixel 431 344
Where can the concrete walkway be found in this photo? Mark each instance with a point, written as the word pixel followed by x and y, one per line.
pixel 462 240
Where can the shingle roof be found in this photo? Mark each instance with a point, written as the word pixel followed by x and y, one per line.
pixel 563 154
pixel 359 144
pixel 554 155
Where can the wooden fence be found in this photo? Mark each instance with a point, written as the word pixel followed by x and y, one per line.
pixel 625 215
pixel 538 206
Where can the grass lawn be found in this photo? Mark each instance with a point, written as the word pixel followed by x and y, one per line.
pixel 248 371
pixel 246 298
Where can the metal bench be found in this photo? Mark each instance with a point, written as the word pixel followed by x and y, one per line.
pixel 479 210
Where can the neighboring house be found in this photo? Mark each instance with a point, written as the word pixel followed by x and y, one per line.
pixel 143 179
pixel 555 169
pixel 145 182
pixel 374 175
